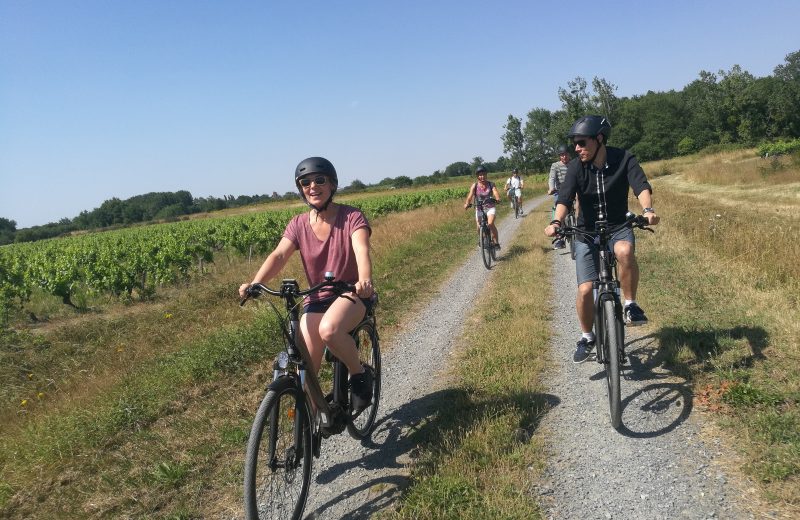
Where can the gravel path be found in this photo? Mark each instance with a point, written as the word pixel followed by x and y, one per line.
pixel 657 466
pixel 353 479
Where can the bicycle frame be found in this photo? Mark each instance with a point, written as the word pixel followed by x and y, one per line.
pixel 606 287
pixel 295 360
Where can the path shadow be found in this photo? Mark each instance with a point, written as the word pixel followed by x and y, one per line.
pixel 435 421
pixel 514 251
pixel 711 343
pixel 656 408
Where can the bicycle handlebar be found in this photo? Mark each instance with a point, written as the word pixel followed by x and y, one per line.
pixel 631 220
pixel 484 201
pixel 288 287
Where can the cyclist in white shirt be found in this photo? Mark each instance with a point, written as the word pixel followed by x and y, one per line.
pixel 515 184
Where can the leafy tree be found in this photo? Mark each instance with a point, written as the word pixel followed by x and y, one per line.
pixel 8 229
pixel 356 185
pixel 457 169
pixel 514 141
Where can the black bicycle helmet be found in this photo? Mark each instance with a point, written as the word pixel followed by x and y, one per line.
pixel 316 165
pixel 562 149
pixel 480 170
pixel 591 126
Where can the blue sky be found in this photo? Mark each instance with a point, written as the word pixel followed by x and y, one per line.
pixel 102 99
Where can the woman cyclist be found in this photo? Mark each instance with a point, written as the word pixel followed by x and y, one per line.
pixel 331 238
pixel 483 189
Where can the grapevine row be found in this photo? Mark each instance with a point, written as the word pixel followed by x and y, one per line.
pixel 142 259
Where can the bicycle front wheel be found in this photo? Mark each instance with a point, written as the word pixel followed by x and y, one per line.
pixel 361 424
pixel 570 222
pixel 516 207
pixel 486 248
pixel 277 470
pixel 612 348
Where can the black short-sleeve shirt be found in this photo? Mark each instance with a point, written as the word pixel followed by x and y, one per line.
pixel 605 188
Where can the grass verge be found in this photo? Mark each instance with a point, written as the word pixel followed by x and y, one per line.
pixel 167 438
pixel 479 462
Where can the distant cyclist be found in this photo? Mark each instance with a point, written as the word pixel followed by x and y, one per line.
pixel 602 178
pixel 483 189
pixel 514 185
pixel 333 238
pixel 558 171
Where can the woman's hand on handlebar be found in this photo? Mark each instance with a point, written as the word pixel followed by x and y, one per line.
pixel 243 290
pixel 364 289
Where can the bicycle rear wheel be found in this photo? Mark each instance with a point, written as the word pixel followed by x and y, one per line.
pixel 361 424
pixel 612 348
pixel 486 247
pixel 277 470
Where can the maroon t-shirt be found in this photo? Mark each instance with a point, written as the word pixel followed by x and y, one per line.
pixel 334 254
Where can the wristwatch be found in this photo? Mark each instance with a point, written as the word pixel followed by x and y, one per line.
pixel 648 210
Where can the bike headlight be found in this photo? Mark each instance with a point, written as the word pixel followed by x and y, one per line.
pixel 282 360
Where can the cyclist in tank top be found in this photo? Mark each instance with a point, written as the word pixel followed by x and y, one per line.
pixel 483 189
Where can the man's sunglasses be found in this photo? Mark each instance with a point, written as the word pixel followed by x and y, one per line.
pixel 580 142
pixel 319 180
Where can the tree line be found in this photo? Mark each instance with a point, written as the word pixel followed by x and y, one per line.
pixel 729 108
pixel 156 206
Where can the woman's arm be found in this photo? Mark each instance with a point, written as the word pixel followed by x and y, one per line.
pixel 470 195
pixel 361 248
pixel 272 265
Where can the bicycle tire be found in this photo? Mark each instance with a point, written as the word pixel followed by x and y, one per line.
pixel 612 348
pixel 486 248
pixel 570 222
pixel 369 352
pixel 277 474
pixel 516 207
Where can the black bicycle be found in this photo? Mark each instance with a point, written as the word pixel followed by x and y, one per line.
pixel 608 319
pixel 515 202
pixel 487 245
pixel 571 221
pixel 297 413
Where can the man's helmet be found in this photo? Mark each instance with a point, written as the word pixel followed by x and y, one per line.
pixel 562 149
pixel 515 171
pixel 480 170
pixel 591 126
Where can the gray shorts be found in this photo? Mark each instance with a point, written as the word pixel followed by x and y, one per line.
pixel 587 260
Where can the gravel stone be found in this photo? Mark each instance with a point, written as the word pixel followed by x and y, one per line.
pixel 657 466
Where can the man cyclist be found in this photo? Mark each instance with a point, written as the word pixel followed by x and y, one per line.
pixel 514 185
pixel 601 178
pixel 558 170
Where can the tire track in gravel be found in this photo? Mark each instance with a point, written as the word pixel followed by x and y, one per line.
pixel 354 479
pixel 657 466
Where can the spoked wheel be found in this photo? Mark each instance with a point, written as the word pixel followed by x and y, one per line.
pixel 486 247
pixel 277 469
pixel 612 350
pixel 361 423
pixel 516 207
pixel 570 222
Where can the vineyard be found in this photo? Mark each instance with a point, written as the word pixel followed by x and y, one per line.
pixel 138 261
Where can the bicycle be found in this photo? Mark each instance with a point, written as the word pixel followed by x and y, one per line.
pixel 487 245
pixel 571 221
pixel 608 320
pixel 296 414
pixel 515 202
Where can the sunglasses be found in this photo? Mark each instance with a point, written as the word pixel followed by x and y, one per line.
pixel 580 142
pixel 319 180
